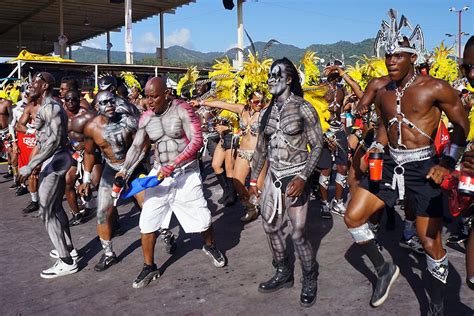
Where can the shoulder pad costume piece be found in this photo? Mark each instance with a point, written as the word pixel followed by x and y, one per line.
pixel 390 35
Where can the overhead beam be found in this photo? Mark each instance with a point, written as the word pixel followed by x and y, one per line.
pixel 28 16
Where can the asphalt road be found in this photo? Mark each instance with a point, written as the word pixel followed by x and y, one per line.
pixel 191 285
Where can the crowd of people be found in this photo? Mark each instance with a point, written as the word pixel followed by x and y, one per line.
pixel 277 137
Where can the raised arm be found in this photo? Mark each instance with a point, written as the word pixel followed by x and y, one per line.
pixel 233 107
pixel 369 94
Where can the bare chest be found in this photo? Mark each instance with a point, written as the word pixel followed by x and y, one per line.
pixel 165 127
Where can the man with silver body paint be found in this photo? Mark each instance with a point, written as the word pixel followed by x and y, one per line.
pixel 52 153
pixel 175 129
pixel 287 127
pixel 112 132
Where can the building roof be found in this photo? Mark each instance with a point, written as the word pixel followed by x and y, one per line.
pixel 35 23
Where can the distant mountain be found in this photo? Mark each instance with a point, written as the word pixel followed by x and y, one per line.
pixel 180 56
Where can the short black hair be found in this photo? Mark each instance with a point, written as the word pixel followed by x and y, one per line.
pixel 71 82
pixel 469 43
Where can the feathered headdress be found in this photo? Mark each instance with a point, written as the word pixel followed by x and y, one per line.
pixel 189 78
pixel 444 67
pixel 366 69
pixel 314 92
pixel 390 36
pixel 130 80
pixel 252 77
pixel 223 75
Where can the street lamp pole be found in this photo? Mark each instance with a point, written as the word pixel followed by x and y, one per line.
pixel 453 9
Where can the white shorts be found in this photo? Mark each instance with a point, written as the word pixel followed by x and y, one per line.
pixel 183 196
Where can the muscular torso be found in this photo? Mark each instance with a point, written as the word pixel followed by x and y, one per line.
pixel 285 133
pixel 418 105
pixel 167 133
pixel 49 113
pixel 28 117
pixel 4 113
pixel 112 138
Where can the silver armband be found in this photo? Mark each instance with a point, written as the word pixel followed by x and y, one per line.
pixel 86 177
pixel 377 145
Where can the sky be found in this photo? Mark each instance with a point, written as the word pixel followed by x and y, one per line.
pixel 206 26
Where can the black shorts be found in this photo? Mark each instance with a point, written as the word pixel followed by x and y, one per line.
pixel 341 156
pixel 426 197
pixel 229 141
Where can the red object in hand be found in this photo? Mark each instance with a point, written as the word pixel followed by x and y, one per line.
pixel 457 202
pixel 375 166
pixel 441 138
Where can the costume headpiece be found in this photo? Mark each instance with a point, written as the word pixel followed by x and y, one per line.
pixel 390 36
pixel 444 67
pixel 130 80
pixel 189 78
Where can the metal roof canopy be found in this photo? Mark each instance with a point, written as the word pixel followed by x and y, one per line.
pixel 35 24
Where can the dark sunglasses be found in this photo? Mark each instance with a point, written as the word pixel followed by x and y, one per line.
pixel 105 102
pixel 71 99
pixel 467 67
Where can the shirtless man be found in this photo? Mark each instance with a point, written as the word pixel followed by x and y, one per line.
pixel 16 113
pixel 26 134
pixel 175 130
pixel 77 119
pixel 5 106
pixel 68 84
pixel 409 109
pixel 54 158
pixel 287 126
pixel 112 132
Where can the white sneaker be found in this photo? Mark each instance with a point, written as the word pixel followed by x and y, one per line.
pixel 338 208
pixel 60 268
pixel 54 254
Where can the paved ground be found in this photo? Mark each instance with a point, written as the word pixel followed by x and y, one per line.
pixel 190 284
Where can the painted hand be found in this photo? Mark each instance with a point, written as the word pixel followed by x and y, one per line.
pixel 437 173
pixel 85 189
pixel 166 171
pixel 24 173
pixel 295 187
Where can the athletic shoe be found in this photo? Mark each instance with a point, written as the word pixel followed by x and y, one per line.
pixel 384 282
pixel 374 227
pixel 413 243
pixel 74 254
pixel 22 190
pixel 325 210
pixel 148 274
pixel 216 255
pixel 436 309
pixel 8 176
pixel 76 219
pixel 32 207
pixel 60 268
pixel 105 262
pixel 13 186
pixel 457 239
pixel 169 240
pixel 338 207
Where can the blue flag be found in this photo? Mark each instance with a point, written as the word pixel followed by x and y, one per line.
pixel 139 185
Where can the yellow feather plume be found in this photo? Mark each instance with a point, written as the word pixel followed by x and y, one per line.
pixel 470 137
pixel 190 77
pixel 366 69
pixel 252 77
pixel 443 67
pixel 311 70
pixel 130 80
pixel 225 88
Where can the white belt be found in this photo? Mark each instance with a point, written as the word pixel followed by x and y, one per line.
pixel 403 156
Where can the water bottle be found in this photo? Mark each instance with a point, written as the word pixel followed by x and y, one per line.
pixel 117 188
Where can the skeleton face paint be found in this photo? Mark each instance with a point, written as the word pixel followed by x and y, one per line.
pixel 278 80
pixel 106 104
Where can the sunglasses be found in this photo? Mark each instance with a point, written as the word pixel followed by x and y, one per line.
pixel 256 102
pixel 105 102
pixel 467 67
pixel 71 99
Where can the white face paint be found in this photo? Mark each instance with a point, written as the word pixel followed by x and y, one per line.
pixel 106 104
pixel 278 80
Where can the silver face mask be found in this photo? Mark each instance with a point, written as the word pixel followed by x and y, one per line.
pixel 277 80
pixel 106 104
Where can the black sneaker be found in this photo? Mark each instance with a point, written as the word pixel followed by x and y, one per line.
pixel 105 262
pixel 326 210
pixel 8 176
pixel 14 186
pixel 436 309
pixel 457 239
pixel 32 207
pixel 216 255
pixel 22 190
pixel 148 274
pixel 77 219
pixel 169 240
pixel 384 282
pixel 412 243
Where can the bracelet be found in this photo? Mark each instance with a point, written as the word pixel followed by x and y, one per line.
pixel 86 177
pixel 253 183
pixel 343 73
pixel 201 102
pixel 303 177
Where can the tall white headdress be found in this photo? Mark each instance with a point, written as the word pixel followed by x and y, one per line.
pixel 390 35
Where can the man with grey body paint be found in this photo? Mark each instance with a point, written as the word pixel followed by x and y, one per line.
pixel 52 154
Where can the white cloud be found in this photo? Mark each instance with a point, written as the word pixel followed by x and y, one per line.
pixel 97 42
pixel 147 43
pixel 181 37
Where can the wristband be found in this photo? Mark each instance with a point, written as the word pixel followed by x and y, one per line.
pixel 86 177
pixel 30 131
pixel 377 145
pixel 453 151
pixel 303 177
pixel 253 183
pixel 201 102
